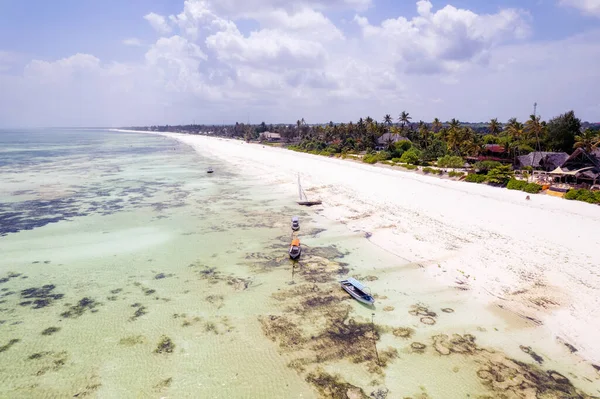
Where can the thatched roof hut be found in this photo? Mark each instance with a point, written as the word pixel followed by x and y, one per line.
pixel 542 160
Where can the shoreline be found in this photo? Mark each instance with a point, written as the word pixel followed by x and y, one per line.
pixel 382 165
pixel 533 258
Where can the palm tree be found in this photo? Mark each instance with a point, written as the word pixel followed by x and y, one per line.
pixel 454 123
pixel 404 119
pixel 515 132
pixel 494 126
pixel 424 135
pixel 472 143
pixel 372 130
pixel 588 140
pixel 437 125
pixel 534 128
pixel 387 119
pixel 454 136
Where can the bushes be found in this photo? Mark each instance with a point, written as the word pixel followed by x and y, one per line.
pixel 411 156
pixel 591 197
pixel 455 174
pixel 450 161
pixel 370 159
pixel 410 167
pixel 531 188
pixel 432 170
pixel 384 156
pixel 374 157
pixel 396 160
pixel 403 145
pixel 514 184
pixel 475 178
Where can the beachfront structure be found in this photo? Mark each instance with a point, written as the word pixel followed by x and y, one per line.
pixel 582 166
pixel 387 138
pixel 269 136
pixel 542 160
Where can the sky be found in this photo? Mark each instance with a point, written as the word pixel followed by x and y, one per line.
pixel 144 62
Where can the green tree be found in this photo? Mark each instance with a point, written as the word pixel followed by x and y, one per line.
pixel 453 136
pixel 500 175
pixel 490 139
pixel 404 120
pixel 534 129
pixel 411 156
pixel 588 140
pixel 450 161
pixel 494 127
pixel 387 119
pixel 436 126
pixel 435 150
pixel 561 132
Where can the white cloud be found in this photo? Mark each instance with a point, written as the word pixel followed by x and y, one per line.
pixel 590 7
pixel 442 41
pixel 305 21
pixel 158 22
pixel 236 8
pixel 295 62
pixel 134 42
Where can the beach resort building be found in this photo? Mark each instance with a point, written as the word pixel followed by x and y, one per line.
pixel 269 136
pixel 542 160
pixel 580 167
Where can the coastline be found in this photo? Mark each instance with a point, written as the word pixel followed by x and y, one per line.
pixel 533 258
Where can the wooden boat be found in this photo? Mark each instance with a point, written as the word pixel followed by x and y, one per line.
pixel 210 170
pixel 303 198
pixel 295 249
pixel 295 223
pixel 357 291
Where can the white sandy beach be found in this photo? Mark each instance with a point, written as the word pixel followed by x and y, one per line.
pixel 537 258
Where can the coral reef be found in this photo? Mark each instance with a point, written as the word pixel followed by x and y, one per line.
pixel 40 297
pixel 80 308
pixel 165 345
pixel 334 387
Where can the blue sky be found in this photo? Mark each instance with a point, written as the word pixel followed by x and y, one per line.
pixel 277 60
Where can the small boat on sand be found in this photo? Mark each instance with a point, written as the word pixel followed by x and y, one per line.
pixel 357 291
pixel 303 200
pixel 210 170
pixel 295 249
pixel 295 223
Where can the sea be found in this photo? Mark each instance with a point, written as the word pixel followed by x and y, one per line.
pixel 128 271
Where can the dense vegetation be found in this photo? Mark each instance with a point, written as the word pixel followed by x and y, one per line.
pixel 431 141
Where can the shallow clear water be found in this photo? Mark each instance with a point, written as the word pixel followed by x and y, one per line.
pixel 112 243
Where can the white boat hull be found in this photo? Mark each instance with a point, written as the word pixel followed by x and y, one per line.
pixel 355 293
